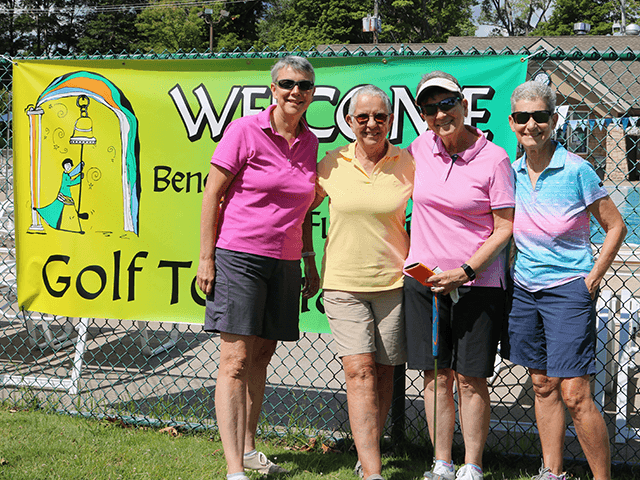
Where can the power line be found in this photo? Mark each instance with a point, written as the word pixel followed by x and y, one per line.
pixel 115 8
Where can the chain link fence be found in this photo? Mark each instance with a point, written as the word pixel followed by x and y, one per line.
pixel 159 373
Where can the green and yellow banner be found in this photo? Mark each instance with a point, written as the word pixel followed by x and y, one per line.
pixel 111 158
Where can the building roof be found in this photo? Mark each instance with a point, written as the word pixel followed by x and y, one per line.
pixel 599 73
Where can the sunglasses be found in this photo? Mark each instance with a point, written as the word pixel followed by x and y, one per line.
pixel 445 105
pixel 363 118
pixel 303 85
pixel 539 116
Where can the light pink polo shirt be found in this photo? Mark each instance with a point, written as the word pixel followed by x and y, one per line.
pixel 452 204
pixel 273 187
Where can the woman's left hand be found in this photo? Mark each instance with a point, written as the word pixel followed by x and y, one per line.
pixel 311 279
pixel 592 286
pixel 447 281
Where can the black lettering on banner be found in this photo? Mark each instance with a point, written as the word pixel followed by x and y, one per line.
pixel 175 266
pixel 403 102
pixel 132 269
pixel 66 281
pixel 116 275
pixel 325 93
pixel 207 114
pixel 195 295
pixel 83 292
pixel 478 115
pixel 163 179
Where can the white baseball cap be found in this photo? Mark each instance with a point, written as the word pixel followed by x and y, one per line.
pixel 440 83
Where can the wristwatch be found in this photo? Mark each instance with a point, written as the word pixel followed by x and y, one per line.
pixel 469 271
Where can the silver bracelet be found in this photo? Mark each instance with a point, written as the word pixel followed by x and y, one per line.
pixel 308 254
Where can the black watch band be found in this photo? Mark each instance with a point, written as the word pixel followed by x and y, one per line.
pixel 469 271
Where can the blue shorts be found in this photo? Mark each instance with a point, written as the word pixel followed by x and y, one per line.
pixel 254 295
pixel 554 329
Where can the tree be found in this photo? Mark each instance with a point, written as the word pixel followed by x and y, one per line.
pixel 51 26
pixel 110 27
pixel 598 13
pixel 513 17
pixel 167 27
pixel 306 23
pixel 416 21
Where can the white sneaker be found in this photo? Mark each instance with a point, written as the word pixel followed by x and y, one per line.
pixel 262 464
pixel 469 472
pixel 440 471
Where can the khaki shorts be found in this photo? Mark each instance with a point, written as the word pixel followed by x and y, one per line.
pixel 368 322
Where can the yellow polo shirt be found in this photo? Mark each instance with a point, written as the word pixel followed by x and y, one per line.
pixel 367 244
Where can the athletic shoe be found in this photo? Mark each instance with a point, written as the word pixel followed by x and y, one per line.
pixel 469 472
pixel 375 476
pixel 545 474
pixel 262 464
pixel 358 470
pixel 441 471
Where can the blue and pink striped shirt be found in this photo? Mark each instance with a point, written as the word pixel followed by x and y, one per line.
pixel 551 224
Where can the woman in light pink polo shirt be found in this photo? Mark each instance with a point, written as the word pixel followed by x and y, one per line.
pixel 463 206
pixel 260 186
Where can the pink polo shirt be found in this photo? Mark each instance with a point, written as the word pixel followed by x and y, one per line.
pixel 452 204
pixel 273 187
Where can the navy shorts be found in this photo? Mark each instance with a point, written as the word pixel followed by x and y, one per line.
pixel 554 329
pixel 469 330
pixel 254 295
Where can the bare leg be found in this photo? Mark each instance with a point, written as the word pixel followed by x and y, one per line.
pixel 550 418
pixel 446 411
pixel 257 377
pixel 385 393
pixel 231 396
pixel 475 411
pixel 590 426
pixel 362 399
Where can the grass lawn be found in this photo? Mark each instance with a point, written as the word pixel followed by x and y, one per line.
pixel 35 445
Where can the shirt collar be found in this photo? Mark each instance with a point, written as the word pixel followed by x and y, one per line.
pixel 264 121
pixel 348 152
pixel 463 157
pixel 558 159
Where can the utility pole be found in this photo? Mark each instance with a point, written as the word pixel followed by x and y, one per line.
pixel 375 16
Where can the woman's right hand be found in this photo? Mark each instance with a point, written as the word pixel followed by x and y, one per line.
pixel 206 275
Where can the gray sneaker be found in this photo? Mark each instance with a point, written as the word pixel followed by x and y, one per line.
pixel 440 472
pixel 260 463
pixel 358 470
pixel 545 474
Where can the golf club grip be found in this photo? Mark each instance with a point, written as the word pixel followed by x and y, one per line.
pixel 435 320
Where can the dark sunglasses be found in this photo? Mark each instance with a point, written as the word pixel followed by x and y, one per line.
pixel 303 85
pixel 539 116
pixel 363 118
pixel 445 105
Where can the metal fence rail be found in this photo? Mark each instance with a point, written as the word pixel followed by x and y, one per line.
pixel 161 372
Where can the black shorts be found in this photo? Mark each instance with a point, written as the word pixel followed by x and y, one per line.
pixel 254 295
pixel 469 330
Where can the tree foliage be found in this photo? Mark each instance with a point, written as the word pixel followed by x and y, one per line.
pixel 416 21
pixel 514 17
pixel 110 31
pixel 597 13
pixel 305 23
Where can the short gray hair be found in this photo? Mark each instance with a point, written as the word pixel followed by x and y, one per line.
pixel 300 64
pixel 372 91
pixel 534 91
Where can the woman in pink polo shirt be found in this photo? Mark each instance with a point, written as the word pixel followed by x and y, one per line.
pixel 260 186
pixel 463 206
pixel 368 183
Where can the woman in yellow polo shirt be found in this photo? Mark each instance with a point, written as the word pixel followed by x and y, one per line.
pixel 368 183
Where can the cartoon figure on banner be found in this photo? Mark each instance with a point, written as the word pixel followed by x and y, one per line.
pixel 64 212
